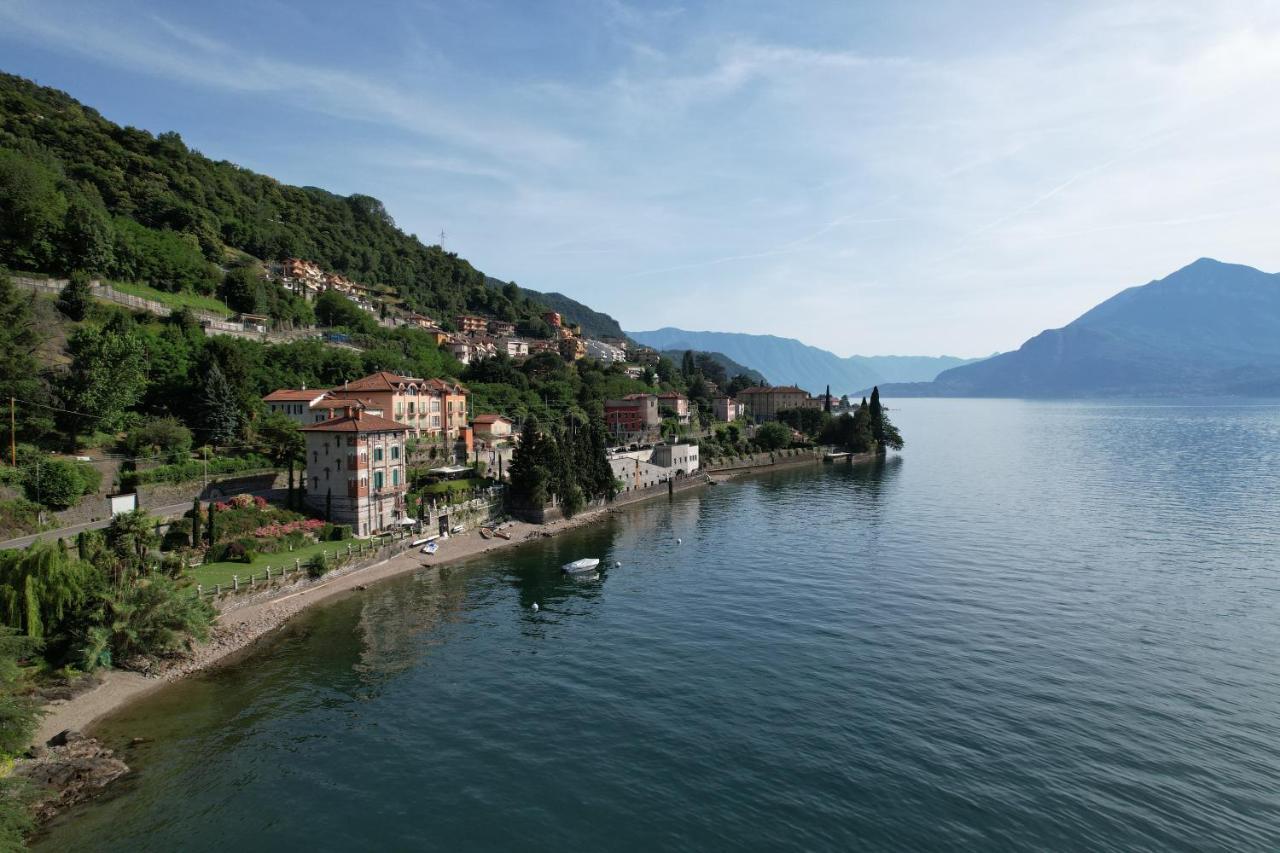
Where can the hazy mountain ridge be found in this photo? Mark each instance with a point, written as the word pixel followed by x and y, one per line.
pixel 1208 328
pixel 786 361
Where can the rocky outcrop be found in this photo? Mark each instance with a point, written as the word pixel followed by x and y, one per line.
pixel 69 769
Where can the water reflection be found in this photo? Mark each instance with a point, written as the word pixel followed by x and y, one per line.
pixel 395 618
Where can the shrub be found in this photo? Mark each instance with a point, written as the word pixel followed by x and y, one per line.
pixel 166 437
pixel 178 536
pixel 18 517
pixel 59 483
pixel 194 469
pixel 340 533
pixel 317 566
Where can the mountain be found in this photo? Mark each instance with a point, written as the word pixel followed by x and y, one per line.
pixel 78 191
pixel 731 367
pixel 1209 328
pixel 785 361
pixel 595 324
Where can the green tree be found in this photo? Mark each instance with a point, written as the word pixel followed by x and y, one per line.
pixel 76 296
pixel 106 378
pixel 164 438
pixel 131 536
pixel 773 435
pixel 528 474
pixel 19 373
pixel 153 616
pixel 882 429
pixel 57 483
pixel 282 441
pixel 244 290
pixel 40 585
pixel 219 408
pixel 196 518
pixel 688 366
pixel 213 524
pixel 31 211
pixel 87 240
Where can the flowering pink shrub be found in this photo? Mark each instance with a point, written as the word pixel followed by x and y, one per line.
pixel 242 500
pixel 307 525
pixel 222 507
pixel 259 501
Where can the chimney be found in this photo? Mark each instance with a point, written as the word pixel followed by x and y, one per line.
pixel 347 411
pixel 359 411
pixel 344 385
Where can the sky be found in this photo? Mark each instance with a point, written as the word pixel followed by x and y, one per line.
pixel 909 178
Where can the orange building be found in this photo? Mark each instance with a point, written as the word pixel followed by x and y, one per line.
pixel 428 407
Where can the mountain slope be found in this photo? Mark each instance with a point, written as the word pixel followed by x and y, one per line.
pixel 1208 328
pixel 785 361
pixel 595 324
pixel 78 191
pixel 731 367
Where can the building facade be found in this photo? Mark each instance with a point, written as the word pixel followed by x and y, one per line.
pixel 355 470
pixel 763 404
pixel 726 408
pixel 294 403
pixel 428 407
pixel 673 404
pixel 632 418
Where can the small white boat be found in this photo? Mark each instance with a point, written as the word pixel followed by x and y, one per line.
pixel 430 547
pixel 586 564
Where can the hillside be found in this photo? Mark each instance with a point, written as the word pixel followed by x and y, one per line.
pixel 595 324
pixel 731 367
pixel 1209 328
pixel 85 193
pixel 785 361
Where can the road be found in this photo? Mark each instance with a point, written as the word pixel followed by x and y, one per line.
pixel 171 511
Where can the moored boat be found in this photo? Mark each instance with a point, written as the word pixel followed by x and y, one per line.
pixel 586 564
pixel 486 533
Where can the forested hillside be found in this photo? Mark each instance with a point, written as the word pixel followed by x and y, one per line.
pixel 83 193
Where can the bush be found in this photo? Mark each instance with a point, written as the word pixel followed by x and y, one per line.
pixel 165 437
pixel 178 536
pixel 773 436
pixel 334 533
pixel 317 566
pixel 59 483
pixel 18 518
pixel 194 469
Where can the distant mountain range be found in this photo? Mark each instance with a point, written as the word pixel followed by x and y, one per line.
pixel 786 361
pixel 1209 328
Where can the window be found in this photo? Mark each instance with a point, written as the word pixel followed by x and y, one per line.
pixel 377 480
pixel 315 456
pixel 315 484
pixel 395 476
pixel 377 454
pixel 339 464
pixel 395 451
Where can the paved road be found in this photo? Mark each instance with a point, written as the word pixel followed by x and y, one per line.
pixel 166 512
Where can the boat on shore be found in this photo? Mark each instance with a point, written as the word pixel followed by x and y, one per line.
pixel 430 548
pixel 501 534
pixel 486 533
pixel 586 564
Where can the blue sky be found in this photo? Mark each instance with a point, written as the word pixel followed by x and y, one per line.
pixel 909 178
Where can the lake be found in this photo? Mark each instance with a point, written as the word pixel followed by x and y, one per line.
pixel 1042 625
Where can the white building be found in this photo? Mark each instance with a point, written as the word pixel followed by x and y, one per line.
pixel 638 469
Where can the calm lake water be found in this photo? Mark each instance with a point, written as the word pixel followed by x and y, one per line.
pixel 1042 626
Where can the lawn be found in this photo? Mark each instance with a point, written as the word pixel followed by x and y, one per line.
pixel 210 574
pixel 184 299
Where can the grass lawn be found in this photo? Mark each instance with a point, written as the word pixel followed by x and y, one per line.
pixel 185 299
pixel 210 574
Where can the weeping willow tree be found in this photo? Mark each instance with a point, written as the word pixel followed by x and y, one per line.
pixel 40 585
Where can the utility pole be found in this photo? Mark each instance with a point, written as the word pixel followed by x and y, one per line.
pixel 13 435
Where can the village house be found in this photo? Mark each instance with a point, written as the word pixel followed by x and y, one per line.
pixel 673 404
pixel 552 319
pixel 333 406
pixel 514 347
pixel 460 349
pixel 572 349
pixel 355 470
pixel 725 408
pixel 634 418
pixel 422 321
pixel 501 328
pixel 492 427
pixel 638 469
pixel 607 353
pixel 469 324
pixel 294 403
pixel 634 371
pixel 538 345
pixel 763 404
pixel 428 407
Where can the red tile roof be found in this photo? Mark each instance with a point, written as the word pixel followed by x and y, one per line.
pixel 488 419
pixel 294 395
pixel 362 423
pixel 383 380
pixel 785 389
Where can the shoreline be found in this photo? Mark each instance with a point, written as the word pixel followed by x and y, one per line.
pixel 236 630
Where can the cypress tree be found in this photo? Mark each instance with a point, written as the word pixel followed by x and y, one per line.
pixel 213 525
pixel 82 545
pixel 826 401
pixel 195 523
pixel 877 416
